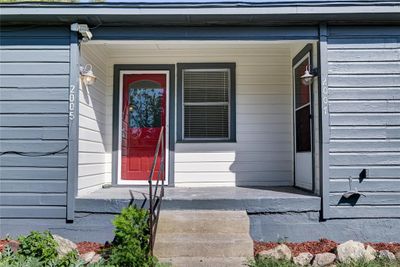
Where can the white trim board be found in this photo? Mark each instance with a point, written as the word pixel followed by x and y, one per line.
pixel 121 85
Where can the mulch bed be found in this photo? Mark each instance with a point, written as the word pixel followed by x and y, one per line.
pixel 392 247
pixel 321 246
pixel 84 247
pixel 313 247
pixel 3 243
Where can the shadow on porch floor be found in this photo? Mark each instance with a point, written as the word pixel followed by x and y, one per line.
pixel 251 199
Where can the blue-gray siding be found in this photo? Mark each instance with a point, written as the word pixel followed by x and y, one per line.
pixel 34 89
pixel 364 117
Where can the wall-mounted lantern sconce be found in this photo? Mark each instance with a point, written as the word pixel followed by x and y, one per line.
pixel 309 75
pixel 352 192
pixel 87 75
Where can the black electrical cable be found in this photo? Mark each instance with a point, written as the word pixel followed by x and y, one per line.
pixel 34 154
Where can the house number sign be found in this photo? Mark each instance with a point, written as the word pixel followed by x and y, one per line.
pixel 72 102
pixel 325 96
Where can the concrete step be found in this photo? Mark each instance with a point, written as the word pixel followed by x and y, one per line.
pixel 205 262
pixel 184 235
pixel 203 245
pixel 202 221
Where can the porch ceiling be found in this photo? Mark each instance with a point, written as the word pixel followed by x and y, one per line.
pixel 174 47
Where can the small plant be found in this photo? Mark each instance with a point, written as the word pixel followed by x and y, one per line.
pixel 71 259
pixel 282 240
pixel 38 245
pixel 10 259
pixel 130 246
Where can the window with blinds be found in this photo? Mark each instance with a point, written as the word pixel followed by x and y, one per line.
pixel 206 104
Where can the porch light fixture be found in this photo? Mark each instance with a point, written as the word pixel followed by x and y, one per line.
pixel 352 192
pixel 87 75
pixel 308 75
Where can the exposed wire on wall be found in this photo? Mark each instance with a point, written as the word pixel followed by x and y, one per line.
pixel 34 154
pixel 98 24
pixel 19 29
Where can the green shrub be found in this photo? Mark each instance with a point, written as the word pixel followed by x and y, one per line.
pixel 38 245
pixel 71 259
pixel 10 259
pixel 130 246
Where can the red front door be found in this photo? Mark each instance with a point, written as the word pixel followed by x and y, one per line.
pixel 143 115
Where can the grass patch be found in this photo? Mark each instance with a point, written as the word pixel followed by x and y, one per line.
pixel 375 263
pixel 270 262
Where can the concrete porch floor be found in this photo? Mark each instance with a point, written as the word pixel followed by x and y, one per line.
pixel 251 199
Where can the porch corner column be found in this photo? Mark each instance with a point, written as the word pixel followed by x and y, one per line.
pixel 73 123
pixel 324 119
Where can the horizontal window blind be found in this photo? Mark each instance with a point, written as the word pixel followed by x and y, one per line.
pixel 206 104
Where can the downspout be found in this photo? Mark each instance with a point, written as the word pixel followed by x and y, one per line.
pixel 324 120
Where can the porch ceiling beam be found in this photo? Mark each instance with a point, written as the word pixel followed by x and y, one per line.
pixel 205 33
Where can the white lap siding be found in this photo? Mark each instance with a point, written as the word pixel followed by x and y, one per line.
pixel 262 154
pixel 93 149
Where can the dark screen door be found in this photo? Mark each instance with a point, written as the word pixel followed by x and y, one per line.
pixel 302 126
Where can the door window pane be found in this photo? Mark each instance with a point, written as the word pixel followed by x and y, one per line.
pixel 302 91
pixel 145 104
pixel 303 129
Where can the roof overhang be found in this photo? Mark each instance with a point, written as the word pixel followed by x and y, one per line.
pixel 156 12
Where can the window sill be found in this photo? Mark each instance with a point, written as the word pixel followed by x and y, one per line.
pixel 204 141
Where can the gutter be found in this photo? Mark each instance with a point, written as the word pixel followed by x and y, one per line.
pixel 184 11
pixel 205 4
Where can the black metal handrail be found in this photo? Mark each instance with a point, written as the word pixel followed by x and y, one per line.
pixel 155 197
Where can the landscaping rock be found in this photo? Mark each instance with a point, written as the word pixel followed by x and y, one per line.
pixel 95 259
pixel 280 252
pixel 64 245
pixel 14 245
pixel 386 254
pixel 324 259
pixel 370 254
pixel 397 255
pixel 350 250
pixel 303 259
pixel 87 257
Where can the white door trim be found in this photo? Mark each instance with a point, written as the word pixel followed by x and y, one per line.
pixel 166 143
